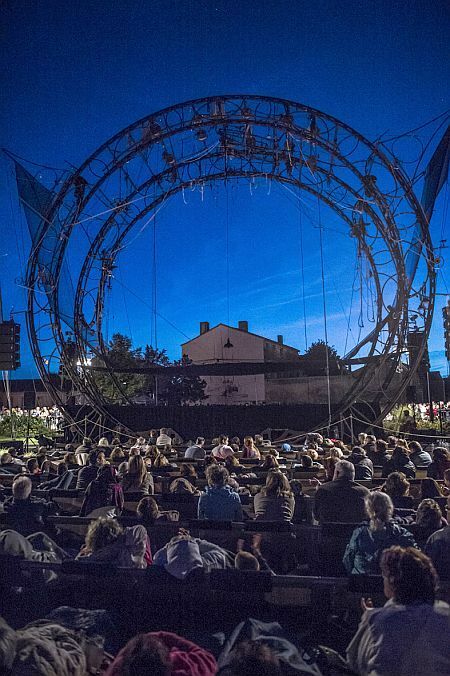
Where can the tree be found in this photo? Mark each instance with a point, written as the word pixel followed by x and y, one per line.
pixel 184 389
pixel 120 354
pixel 315 360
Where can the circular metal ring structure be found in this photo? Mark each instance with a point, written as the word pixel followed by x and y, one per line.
pixel 118 190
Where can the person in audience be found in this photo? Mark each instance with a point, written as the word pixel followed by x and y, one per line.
pixel 428 520
pixel 197 451
pixel 106 541
pixel 397 487
pixel 362 438
pixel 270 462
pixel 24 513
pixel 363 552
pixel 253 657
pixel 162 654
pixel 254 560
pixel 437 548
pixel 391 443
pixel 117 455
pixel 188 471
pixel 33 467
pixel 137 479
pixel 9 465
pixel 309 460
pixel 103 444
pixel 71 461
pixel 409 635
pixel 275 501
pixel 330 466
pixel 219 502
pixel 400 462
pixel 182 486
pixel 441 463
pixel 104 495
pixel 234 466
pixel 222 450
pixel 249 450
pixel 341 499
pixel 65 479
pixel 89 472
pixel 160 460
pixel 445 488
pixel 370 445
pixel 149 513
pixel 163 439
pixel 418 455
pixel 183 555
pixel 429 488
pixel 86 446
pixel 122 470
pixel 363 465
pixel 379 453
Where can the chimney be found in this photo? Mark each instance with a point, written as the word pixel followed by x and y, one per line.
pixel 204 327
pixel 280 339
pixel 243 326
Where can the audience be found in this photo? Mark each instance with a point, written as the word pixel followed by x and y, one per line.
pixel 397 487
pixel 363 465
pixel 137 479
pixel 107 542
pixel 410 633
pixel 341 499
pixel 196 452
pixel 219 502
pixel 222 450
pixel 275 502
pixel 400 462
pixel 249 450
pixel 363 553
pixel 24 513
pixel 104 495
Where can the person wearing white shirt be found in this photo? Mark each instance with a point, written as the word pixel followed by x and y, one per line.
pixel 163 439
pixel 222 450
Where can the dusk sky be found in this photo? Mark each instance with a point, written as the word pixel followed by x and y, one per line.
pixel 75 73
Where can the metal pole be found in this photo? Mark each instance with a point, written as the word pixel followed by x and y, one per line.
pixel 430 401
pixel 27 440
pixel 351 427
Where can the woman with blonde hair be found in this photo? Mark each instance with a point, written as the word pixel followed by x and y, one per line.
pixel 363 553
pixel 137 479
pixel 275 501
pixel 249 449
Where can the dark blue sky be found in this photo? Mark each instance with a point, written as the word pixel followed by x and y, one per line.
pixel 74 73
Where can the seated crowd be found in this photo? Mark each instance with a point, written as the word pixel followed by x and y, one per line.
pixel 390 498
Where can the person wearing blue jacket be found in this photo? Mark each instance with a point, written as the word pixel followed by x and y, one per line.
pixel 219 502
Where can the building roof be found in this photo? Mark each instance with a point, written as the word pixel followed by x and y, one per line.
pixel 235 328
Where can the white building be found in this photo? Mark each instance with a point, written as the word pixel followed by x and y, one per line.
pixel 228 344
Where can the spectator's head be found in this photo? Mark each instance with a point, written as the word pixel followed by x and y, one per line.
pixel 246 561
pixel 21 488
pixel 330 466
pixel 163 430
pixel 182 485
pixel 344 470
pixel 217 476
pixel 103 442
pixel 87 441
pixel 430 488
pixel 92 458
pixel 115 442
pixel 357 450
pixel 70 459
pixel 253 657
pixel 122 470
pixel 32 466
pixel 147 511
pixel 429 514
pixel 277 484
pixel 415 447
pixel 200 441
pixel 362 438
pixel 101 533
pixel 188 471
pixel 379 509
pixel 396 485
pixel 231 462
pixel 137 468
pixel 381 446
pixel 335 452
pixel 392 441
pixel 117 454
pixel 145 654
pixel 270 462
pixel 6 458
pixel 223 439
pixel 441 456
pixel 409 576
pixel 307 461
pixel 101 459
pixel 69 448
pixel 249 443
pixel 447 477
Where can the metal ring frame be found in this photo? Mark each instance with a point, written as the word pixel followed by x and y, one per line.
pixel 227 138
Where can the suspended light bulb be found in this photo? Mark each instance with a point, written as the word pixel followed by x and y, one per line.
pixel 201 135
